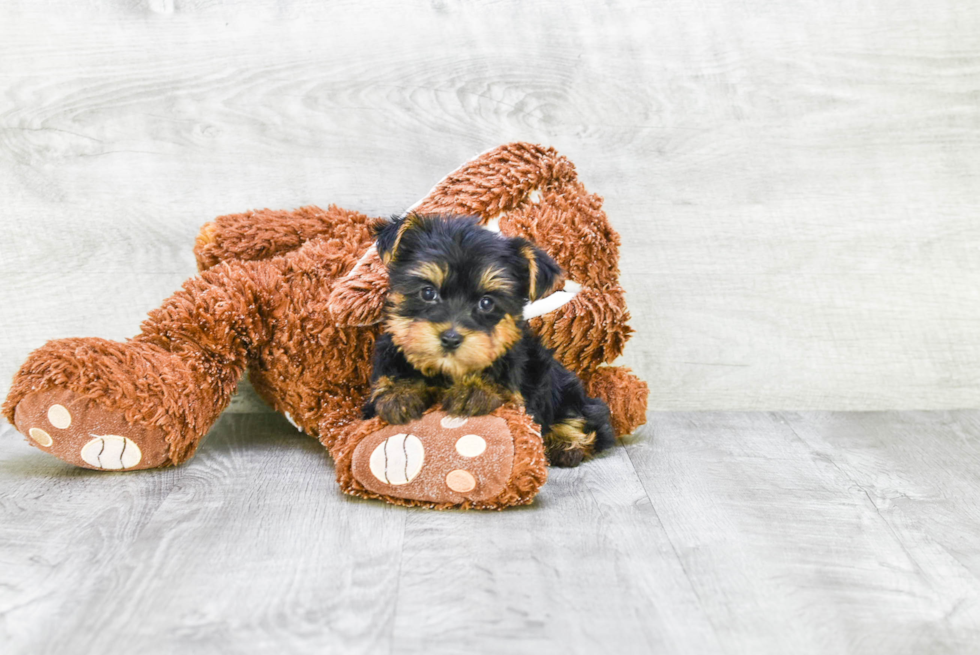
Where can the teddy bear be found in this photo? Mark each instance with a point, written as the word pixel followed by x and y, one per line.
pixel 297 298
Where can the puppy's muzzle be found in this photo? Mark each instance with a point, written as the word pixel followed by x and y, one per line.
pixel 450 339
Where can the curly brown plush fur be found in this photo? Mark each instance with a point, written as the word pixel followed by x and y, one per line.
pixel 529 473
pixel 533 192
pixel 294 297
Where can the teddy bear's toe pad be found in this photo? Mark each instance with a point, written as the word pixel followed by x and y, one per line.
pixel 82 433
pixel 438 459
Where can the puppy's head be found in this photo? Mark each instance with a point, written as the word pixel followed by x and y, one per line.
pixel 458 290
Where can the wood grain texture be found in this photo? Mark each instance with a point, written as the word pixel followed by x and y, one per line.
pixel 824 533
pixel 796 184
pixel 588 568
pixel 712 532
pixel 252 549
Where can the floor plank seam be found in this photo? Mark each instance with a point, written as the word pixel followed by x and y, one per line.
pixel 888 526
pixel 673 548
pixel 398 583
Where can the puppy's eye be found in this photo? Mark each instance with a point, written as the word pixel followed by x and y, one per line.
pixel 486 304
pixel 429 294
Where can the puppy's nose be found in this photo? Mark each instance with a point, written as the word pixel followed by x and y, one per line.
pixel 451 339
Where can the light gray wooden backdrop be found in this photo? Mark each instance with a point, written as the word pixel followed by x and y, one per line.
pixel 796 182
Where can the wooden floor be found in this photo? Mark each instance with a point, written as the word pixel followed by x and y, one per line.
pixel 708 533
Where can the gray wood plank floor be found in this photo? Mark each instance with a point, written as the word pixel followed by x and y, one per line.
pixel 707 533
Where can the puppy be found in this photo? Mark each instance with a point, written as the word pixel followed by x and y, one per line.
pixel 455 335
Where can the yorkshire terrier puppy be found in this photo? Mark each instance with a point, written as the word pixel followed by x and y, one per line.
pixel 455 334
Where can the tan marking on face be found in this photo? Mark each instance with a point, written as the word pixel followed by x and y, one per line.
pixel 420 342
pixel 506 334
pixel 479 349
pixel 473 354
pixel 495 279
pixel 434 273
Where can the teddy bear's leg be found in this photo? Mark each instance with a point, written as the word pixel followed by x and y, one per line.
pixel 441 461
pixel 625 394
pixel 266 233
pixel 147 402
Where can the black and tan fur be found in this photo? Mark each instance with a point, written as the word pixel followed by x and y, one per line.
pixel 455 334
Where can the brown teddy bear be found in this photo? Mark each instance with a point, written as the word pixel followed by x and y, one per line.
pixel 296 297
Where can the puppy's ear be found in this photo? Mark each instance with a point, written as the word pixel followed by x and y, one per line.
pixel 389 234
pixel 544 274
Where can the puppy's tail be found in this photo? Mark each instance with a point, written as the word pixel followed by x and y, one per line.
pixel 597 420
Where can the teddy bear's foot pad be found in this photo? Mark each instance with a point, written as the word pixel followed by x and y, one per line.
pixel 438 459
pixel 80 432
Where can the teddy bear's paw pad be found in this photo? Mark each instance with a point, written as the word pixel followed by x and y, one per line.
pixel 438 459
pixel 111 452
pixel 80 432
pixel 398 459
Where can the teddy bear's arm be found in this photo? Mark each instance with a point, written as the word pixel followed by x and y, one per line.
pixel 148 401
pixel 496 181
pixel 267 233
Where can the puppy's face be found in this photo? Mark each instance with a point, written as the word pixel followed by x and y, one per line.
pixel 457 291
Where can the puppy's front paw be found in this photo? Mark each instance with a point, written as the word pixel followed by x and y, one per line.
pixel 402 401
pixel 472 398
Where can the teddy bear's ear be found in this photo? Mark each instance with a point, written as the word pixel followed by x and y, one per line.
pixel 358 298
pixel 389 234
pixel 544 274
